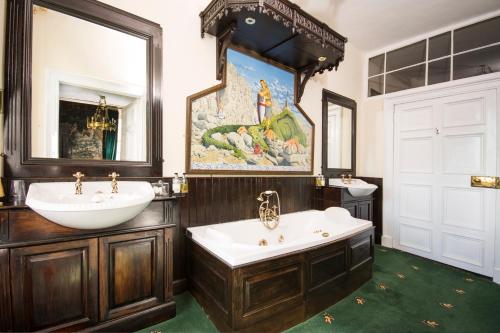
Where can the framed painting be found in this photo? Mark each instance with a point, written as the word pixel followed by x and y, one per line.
pixel 250 123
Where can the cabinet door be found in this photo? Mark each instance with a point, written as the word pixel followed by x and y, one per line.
pixel 352 207
pixel 365 210
pixel 131 272
pixel 54 286
pixel 5 314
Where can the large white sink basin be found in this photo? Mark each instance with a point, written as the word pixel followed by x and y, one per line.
pixel 357 187
pixel 96 208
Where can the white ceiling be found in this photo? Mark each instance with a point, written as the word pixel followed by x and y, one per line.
pixel 374 24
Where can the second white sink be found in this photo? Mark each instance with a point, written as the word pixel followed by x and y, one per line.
pixel 96 208
pixel 357 187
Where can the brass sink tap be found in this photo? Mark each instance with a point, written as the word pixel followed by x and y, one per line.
pixel 349 180
pixel 270 217
pixel 78 184
pixel 343 178
pixel 114 182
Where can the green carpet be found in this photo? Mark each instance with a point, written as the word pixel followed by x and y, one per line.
pixel 406 294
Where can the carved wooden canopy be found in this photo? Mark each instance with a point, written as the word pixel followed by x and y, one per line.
pixel 281 31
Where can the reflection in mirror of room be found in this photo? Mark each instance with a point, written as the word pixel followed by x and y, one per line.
pixel 77 61
pixel 339 137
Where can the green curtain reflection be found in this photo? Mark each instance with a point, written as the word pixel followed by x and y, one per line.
pixel 110 143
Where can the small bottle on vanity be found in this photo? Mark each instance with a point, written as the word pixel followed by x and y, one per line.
pixel 320 180
pixel 184 184
pixel 176 184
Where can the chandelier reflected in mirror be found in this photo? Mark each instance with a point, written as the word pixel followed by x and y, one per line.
pixel 100 120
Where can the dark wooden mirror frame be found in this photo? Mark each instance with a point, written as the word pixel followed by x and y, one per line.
pixel 331 97
pixel 17 102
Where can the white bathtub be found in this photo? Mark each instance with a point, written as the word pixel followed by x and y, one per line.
pixel 237 243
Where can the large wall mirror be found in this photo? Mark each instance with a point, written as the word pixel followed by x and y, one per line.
pixel 339 135
pixel 90 95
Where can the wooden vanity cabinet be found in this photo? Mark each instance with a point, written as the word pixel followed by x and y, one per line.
pixel 359 207
pixel 130 274
pixel 106 280
pixel 55 286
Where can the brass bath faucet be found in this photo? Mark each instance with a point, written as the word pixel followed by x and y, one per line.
pixel 78 184
pixel 270 217
pixel 114 182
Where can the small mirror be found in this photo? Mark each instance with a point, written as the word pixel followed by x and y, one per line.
pixel 89 90
pixel 339 134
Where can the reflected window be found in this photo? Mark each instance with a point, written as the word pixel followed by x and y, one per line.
pixel 376 65
pixel 439 71
pixel 440 46
pixel 431 61
pixel 406 56
pixel 483 61
pixel 412 77
pixel 376 85
pixel 476 35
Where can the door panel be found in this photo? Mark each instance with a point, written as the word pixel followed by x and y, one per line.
pixel 438 214
pixel 55 286
pixel 131 272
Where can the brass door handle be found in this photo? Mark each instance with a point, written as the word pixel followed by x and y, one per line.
pixel 485 181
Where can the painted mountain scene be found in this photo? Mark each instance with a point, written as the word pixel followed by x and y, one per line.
pixel 251 125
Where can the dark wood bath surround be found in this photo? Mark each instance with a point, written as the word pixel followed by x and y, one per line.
pixel 278 293
pixel 54 278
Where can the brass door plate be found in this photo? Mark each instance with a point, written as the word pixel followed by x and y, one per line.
pixel 485 181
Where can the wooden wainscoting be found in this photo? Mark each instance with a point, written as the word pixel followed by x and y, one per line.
pixel 223 199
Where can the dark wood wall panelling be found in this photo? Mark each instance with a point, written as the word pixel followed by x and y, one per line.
pixel 215 200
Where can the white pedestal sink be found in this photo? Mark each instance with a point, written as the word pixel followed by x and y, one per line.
pixel 96 208
pixel 357 187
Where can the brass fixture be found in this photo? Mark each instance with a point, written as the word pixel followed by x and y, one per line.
pixel 100 120
pixel 78 184
pixel 485 181
pixel 325 234
pixel 349 179
pixel 263 242
pixel 114 183
pixel 281 239
pixel 343 178
pixel 270 217
pixel 322 58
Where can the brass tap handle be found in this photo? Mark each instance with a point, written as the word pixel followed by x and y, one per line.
pixel 350 178
pixel 78 185
pixel 114 183
pixel 343 178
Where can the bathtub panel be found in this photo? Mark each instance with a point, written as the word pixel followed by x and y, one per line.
pixel 274 286
pixel 326 265
pixel 277 293
pixel 211 278
pixel 361 249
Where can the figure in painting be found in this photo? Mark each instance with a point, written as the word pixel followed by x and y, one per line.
pixel 264 102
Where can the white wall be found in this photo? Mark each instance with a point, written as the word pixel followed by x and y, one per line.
pixel 189 67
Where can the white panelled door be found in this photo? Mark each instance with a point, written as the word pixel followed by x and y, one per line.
pixel 438 145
